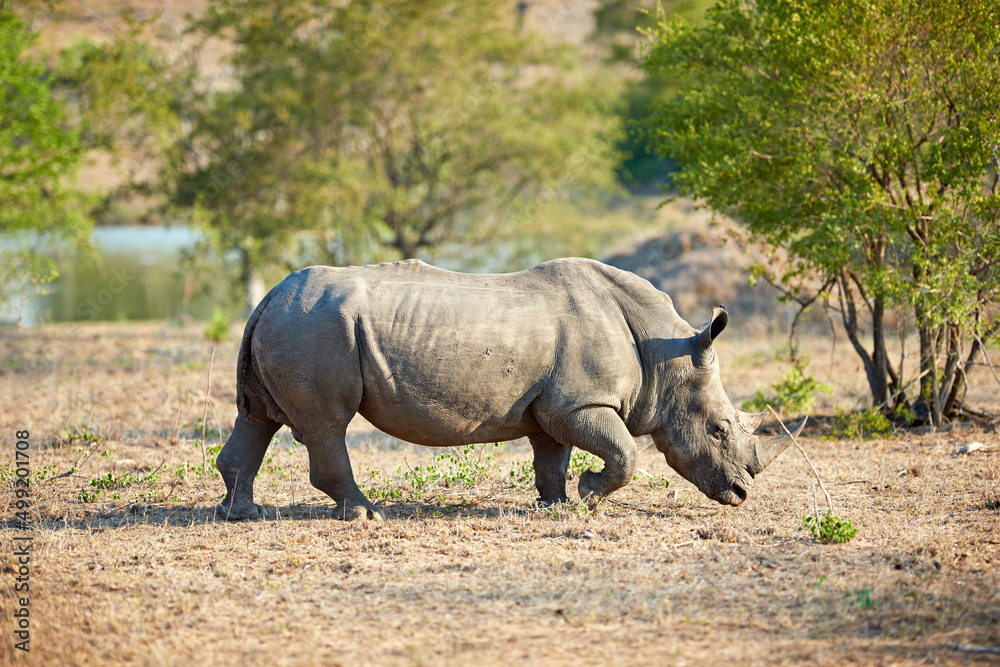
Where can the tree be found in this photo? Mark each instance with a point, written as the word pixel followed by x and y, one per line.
pixel 39 156
pixel 618 25
pixel 127 97
pixel 383 126
pixel 861 136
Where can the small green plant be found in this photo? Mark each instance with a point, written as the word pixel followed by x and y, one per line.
pixel 78 435
pixel 218 327
pixel 830 528
pixel 903 413
pixel 863 598
pixel 195 427
pixel 113 481
pixel 44 472
pixel 522 474
pixel 272 467
pixel 464 465
pixel 866 425
pixel 186 468
pixel 653 481
pixel 380 487
pixel 796 392
pixel 662 483
pixel 580 462
pixel 87 496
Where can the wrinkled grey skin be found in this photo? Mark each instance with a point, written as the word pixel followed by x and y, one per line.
pixel 571 353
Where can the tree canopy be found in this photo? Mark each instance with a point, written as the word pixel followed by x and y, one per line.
pixel 384 125
pixel 39 157
pixel 861 136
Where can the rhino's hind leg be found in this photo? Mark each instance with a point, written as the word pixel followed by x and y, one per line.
pixel 330 472
pixel 239 462
pixel 551 462
pixel 601 432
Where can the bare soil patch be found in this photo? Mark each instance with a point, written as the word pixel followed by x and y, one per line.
pixel 129 563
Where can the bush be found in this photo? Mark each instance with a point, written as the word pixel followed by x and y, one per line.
pixel 218 327
pixel 867 425
pixel 796 391
pixel 831 528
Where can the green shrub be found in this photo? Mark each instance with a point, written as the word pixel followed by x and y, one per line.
pixel 866 425
pixel 796 392
pixel 218 327
pixel 380 487
pixel 521 474
pixel 464 465
pixel 580 462
pixel 862 598
pixel 831 528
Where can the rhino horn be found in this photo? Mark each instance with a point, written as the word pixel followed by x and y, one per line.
pixel 749 421
pixel 767 448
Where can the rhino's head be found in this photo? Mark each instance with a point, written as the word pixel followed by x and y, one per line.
pixel 703 437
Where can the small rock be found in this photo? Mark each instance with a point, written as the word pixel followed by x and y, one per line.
pixel 587 534
pixel 969 448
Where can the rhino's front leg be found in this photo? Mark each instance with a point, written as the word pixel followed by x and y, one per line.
pixel 239 462
pixel 330 472
pixel 600 431
pixel 551 462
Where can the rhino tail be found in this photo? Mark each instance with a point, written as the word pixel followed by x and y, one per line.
pixel 253 400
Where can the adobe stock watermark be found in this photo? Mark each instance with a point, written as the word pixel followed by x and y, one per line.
pixel 23 541
pixel 95 305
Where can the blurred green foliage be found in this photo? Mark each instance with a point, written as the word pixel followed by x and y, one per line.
pixel 129 97
pixel 795 393
pixel 830 529
pixel 862 425
pixel 217 330
pixel 860 138
pixel 383 129
pixel 619 26
pixel 39 158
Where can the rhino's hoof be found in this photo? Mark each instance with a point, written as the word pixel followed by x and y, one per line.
pixel 549 502
pixel 359 513
pixel 247 512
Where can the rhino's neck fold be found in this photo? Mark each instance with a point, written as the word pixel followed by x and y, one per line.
pixel 665 367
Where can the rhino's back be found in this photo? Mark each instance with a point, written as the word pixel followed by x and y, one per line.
pixel 448 358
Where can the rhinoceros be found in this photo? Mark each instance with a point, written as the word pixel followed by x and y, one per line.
pixel 570 353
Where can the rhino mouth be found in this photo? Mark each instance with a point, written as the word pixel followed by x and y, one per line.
pixel 739 494
pixel 735 495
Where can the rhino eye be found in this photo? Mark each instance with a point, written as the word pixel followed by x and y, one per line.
pixel 720 432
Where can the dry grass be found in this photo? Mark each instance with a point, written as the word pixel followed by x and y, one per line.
pixel 467 573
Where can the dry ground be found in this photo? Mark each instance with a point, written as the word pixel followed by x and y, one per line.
pixel 129 563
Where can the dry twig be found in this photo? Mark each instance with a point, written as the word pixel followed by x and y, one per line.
pixel 83 457
pixel 805 456
pixel 204 414
pixel 982 346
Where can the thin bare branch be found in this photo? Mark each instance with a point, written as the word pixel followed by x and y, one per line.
pixel 204 414
pixel 805 456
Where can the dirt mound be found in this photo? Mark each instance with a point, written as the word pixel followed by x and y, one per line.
pixel 702 264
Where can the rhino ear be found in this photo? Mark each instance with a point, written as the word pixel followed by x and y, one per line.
pixel 720 318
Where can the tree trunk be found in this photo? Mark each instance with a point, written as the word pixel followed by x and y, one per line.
pixel 950 377
pixel 880 359
pixel 935 406
pixel 928 365
pixel 849 313
pixel 253 283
